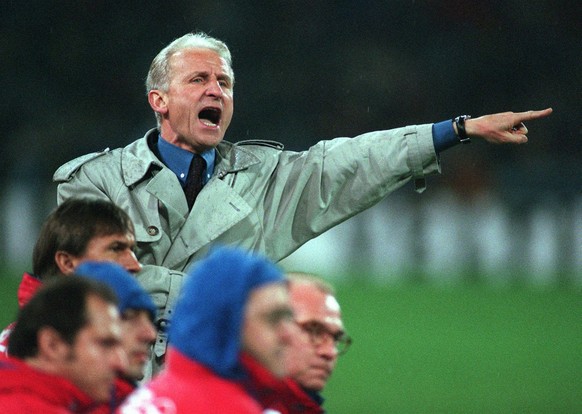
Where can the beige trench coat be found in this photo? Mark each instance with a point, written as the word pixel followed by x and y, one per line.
pixel 260 197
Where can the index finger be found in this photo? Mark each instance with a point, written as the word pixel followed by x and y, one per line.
pixel 529 115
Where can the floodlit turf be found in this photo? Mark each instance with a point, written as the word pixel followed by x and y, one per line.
pixel 469 349
pixel 459 350
pixel 8 302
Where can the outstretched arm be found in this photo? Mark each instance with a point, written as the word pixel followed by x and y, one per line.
pixel 503 128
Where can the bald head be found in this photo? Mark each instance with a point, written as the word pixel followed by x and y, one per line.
pixel 314 350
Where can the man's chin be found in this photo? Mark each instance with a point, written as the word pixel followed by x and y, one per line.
pixel 134 375
pixel 315 384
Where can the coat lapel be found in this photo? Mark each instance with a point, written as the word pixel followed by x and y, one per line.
pixel 166 188
pixel 217 209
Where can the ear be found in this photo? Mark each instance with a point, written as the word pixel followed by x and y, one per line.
pixel 51 345
pixel 157 101
pixel 66 262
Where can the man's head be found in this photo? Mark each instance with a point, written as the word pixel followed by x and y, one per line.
pixel 314 350
pixel 137 311
pixel 266 332
pixel 84 229
pixel 190 88
pixel 233 302
pixel 71 328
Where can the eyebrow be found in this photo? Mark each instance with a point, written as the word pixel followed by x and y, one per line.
pixel 279 314
pixel 205 74
pixel 109 342
pixel 122 243
pixel 324 326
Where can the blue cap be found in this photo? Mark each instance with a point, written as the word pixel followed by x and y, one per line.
pixel 130 293
pixel 207 322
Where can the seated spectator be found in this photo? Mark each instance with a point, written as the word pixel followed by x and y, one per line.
pixel 137 312
pixel 66 350
pixel 323 337
pixel 233 303
pixel 78 230
pixel 312 354
pixel 91 229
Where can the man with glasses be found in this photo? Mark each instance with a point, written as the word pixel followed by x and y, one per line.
pixel 313 353
pixel 316 343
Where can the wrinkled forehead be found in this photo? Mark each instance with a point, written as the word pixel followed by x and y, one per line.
pixel 199 59
pixel 311 304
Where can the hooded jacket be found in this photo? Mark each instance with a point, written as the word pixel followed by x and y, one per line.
pixel 130 294
pixel 24 389
pixel 203 368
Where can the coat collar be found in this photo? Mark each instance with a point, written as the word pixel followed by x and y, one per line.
pixel 138 158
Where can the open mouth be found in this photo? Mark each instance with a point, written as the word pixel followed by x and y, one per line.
pixel 210 116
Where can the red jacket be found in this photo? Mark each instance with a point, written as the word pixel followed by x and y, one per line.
pixel 284 396
pixel 121 389
pixel 186 386
pixel 24 389
pixel 27 288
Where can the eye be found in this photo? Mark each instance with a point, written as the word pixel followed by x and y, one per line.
pixel 117 247
pixel 129 314
pixel 277 316
pixel 314 328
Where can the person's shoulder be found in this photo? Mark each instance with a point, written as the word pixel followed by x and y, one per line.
pixel 243 154
pixel 260 149
pixel 68 169
pixel 106 158
pixel 260 143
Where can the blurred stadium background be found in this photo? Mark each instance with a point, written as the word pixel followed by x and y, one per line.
pixel 463 299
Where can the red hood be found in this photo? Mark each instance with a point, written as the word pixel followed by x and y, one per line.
pixel 25 386
pixel 27 288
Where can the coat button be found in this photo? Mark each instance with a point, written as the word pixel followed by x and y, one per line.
pixel 152 231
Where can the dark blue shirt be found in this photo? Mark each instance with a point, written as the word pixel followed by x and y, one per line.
pixel 178 160
pixel 443 136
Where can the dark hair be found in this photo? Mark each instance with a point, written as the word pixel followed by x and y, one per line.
pixel 60 304
pixel 71 226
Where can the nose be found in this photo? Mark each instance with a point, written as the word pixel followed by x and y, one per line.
pixel 327 348
pixel 119 361
pixel 130 262
pixel 214 89
pixel 148 330
pixel 286 331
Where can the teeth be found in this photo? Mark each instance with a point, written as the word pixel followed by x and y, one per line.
pixel 207 123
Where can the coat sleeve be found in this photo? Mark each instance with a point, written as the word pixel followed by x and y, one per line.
pixel 314 190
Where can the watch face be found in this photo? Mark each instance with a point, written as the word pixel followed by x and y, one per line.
pixel 461 132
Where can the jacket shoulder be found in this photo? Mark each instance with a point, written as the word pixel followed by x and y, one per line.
pixel 262 143
pixel 66 171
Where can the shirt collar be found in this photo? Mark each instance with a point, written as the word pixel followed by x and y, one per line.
pixel 178 160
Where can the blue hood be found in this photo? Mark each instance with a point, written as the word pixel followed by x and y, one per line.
pixel 130 293
pixel 207 322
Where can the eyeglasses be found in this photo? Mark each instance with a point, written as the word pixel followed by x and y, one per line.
pixel 319 333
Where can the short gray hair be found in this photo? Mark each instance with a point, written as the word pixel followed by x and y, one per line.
pixel 159 73
pixel 311 279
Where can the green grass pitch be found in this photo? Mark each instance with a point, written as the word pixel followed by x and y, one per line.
pixel 465 349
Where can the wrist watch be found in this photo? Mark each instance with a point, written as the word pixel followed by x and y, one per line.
pixel 461 132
